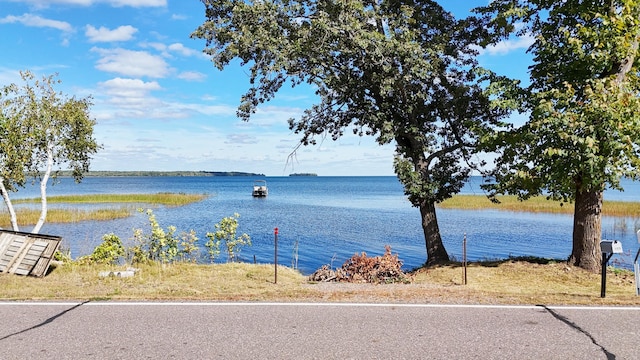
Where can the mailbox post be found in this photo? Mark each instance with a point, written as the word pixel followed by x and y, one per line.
pixel 636 266
pixel 608 248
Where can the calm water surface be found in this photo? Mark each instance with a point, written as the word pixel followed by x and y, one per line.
pixel 328 219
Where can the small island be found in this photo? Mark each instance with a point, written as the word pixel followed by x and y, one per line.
pixel 303 174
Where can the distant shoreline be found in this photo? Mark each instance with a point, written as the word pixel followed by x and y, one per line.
pixel 162 173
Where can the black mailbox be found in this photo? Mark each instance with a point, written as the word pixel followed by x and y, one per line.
pixel 611 247
pixel 608 248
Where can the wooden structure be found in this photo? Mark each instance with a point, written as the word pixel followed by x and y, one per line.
pixel 24 253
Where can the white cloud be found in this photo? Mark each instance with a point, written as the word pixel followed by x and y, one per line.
pixel 8 76
pixel 154 45
pixel 237 139
pixel 211 110
pixel 178 17
pixel 125 98
pixel 183 50
pixel 192 76
pixel 167 50
pixel 43 4
pixel 507 46
pixel 129 87
pixel 269 115
pixel 209 97
pixel 103 34
pixel 130 98
pixel 131 63
pixel 37 21
pixel 137 3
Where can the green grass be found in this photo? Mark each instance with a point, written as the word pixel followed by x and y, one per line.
pixel 55 215
pixel 61 216
pixel 164 198
pixel 504 282
pixel 537 204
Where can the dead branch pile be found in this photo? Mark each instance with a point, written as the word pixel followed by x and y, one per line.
pixel 361 268
pixel 324 274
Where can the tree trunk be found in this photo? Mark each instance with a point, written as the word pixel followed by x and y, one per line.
pixel 43 192
pixel 436 253
pixel 587 230
pixel 9 204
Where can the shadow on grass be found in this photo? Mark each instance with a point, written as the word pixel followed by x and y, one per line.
pixel 492 263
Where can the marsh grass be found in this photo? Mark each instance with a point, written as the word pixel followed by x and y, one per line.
pixel 29 216
pixel 60 216
pixel 538 204
pixel 164 198
pixel 498 282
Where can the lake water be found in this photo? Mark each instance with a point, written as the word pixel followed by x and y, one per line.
pixel 328 219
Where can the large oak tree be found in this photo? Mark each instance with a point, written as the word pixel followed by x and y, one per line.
pixel 583 134
pixel 401 71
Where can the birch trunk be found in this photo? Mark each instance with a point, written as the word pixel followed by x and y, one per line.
pixel 12 212
pixel 43 192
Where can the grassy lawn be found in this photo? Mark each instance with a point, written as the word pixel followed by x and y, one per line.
pixel 504 282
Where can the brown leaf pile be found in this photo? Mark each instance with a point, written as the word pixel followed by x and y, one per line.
pixel 363 269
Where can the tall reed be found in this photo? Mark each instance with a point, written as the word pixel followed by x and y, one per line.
pixel 163 198
pixel 538 204
pixel 30 216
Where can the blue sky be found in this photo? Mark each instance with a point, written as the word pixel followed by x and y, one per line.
pixel 159 102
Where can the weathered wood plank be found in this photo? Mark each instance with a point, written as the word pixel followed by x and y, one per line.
pixel 25 253
pixel 33 251
pixel 18 253
pixel 38 247
pixel 41 268
pixel 52 247
pixel 5 241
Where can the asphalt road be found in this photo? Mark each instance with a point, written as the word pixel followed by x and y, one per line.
pixel 108 330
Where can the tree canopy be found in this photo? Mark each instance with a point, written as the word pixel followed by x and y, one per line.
pixel 582 134
pixel 401 71
pixel 41 131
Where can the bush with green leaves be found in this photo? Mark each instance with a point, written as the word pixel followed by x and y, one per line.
pixel 189 249
pixel 226 232
pixel 63 255
pixel 161 245
pixel 110 251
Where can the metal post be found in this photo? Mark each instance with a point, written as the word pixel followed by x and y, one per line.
pixel 636 271
pixel 275 255
pixel 603 284
pixel 636 266
pixel 464 258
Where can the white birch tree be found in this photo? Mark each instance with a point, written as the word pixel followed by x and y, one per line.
pixel 41 130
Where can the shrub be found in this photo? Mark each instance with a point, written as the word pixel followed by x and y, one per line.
pixel 190 250
pixel 161 245
pixel 63 255
pixel 225 233
pixel 110 251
